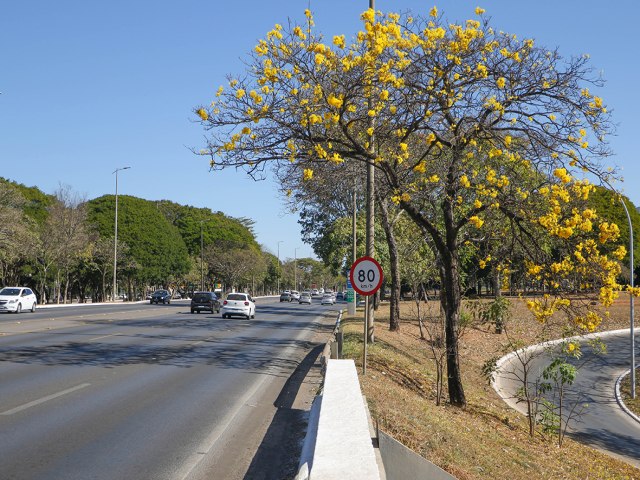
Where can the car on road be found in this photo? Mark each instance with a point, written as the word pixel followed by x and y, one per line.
pixel 328 299
pixel 160 296
pixel 238 304
pixel 295 295
pixel 315 292
pixel 207 301
pixel 340 296
pixel 286 296
pixel 305 297
pixel 16 299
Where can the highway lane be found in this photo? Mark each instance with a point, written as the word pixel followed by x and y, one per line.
pixel 602 423
pixel 142 391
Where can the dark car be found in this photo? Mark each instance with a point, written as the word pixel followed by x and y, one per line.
pixel 286 296
pixel 205 301
pixel 160 296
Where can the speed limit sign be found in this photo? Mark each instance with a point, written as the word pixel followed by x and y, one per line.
pixel 366 276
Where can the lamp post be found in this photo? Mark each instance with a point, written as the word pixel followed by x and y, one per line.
pixel 370 227
pixel 201 258
pixel 631 307
pixel 115 240
pixel 295 268
pixel 279 242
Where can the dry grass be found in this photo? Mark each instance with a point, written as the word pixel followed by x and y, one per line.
pixel 485 440
pixel 632 404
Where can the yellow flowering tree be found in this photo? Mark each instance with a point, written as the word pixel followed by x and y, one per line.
pixel 456 118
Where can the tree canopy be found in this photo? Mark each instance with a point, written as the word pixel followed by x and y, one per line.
pixel 154 243
pixel 466 126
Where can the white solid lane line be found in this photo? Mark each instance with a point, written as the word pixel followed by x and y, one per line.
pixel 44 399
pixel 103 336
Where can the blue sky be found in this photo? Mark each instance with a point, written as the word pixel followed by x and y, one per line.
pixel 91 86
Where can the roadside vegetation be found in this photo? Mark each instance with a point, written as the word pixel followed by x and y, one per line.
pixel 486 439
pixel 484 145
pixel 62 246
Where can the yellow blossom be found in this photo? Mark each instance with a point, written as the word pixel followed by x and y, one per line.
pixel 477 221
pixel 202 113
pixel 479 11
pixel 240 93
pixel 338 41
pixel 420 167
pixel 501 82
pixel 334 101
pixel 307 174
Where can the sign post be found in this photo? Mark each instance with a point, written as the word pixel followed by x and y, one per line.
pixel 366 278
pixel 351 298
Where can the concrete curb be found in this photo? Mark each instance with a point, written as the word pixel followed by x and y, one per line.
pixel 619 397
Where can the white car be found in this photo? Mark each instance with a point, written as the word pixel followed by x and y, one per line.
pixel 295 295
pixel 305 297
pixel 238 304
pixel 16 299
pixel 328 299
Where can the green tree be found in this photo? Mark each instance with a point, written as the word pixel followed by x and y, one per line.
pixel 217 228
pixel 154 243
pixel 17 238
pixel 35 202
pixel 608 206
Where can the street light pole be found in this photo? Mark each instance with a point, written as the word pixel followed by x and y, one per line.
pixel 370 238
pixel 279 242
pixel 201 258
pixel 115 240
pixel 295 268
pixel 631 306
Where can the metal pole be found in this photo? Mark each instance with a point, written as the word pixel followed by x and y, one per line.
pixel 631 306
pixel 295 268
pixel 368 313
pixel 114 293
pixel 279 242
pixel 351 307
pixel 201 258
pixel 370 242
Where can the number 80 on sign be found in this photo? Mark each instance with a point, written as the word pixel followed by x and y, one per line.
pixel 366 276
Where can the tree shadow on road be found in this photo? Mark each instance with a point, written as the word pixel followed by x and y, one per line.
pixel 624 445
pixel 278 454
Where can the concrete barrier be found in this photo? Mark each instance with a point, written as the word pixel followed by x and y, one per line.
pixel 338 444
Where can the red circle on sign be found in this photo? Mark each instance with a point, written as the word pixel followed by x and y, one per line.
pixel 370 267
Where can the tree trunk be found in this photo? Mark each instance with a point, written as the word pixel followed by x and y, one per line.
pixel 451 300
pixel 394 312
pixel 497 290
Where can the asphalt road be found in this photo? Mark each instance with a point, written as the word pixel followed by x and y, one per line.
pixel 155 392
pixel 602 423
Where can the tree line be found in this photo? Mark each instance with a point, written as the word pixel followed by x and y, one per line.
pixel 62 246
